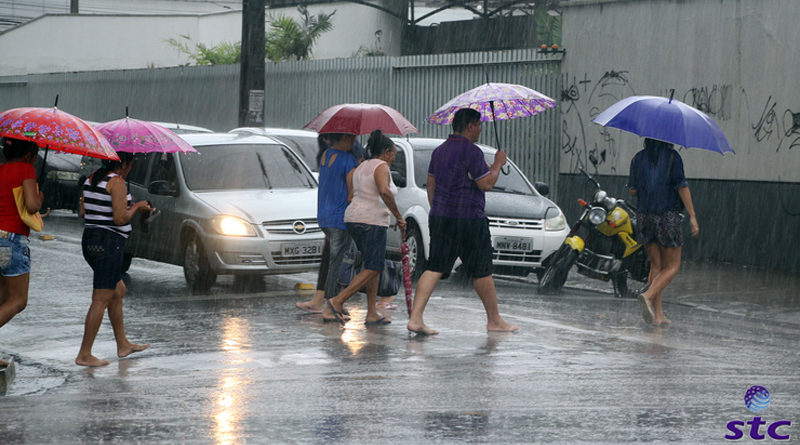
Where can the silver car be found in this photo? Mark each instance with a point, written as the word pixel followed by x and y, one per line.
pixel 244 205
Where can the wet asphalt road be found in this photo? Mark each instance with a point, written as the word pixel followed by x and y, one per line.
pixel 244 366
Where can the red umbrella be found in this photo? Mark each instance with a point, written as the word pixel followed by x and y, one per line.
pixel 361 119
pixel 54 129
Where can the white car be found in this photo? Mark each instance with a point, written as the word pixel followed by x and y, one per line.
pixel 525 226
pixel 244 205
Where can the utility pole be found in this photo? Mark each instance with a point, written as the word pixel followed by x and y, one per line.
pixel 73 6
pixel 252 71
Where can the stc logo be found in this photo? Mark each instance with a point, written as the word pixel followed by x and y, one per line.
pixel 757 399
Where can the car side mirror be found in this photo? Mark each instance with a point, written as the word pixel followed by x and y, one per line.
pixel 398 179
pixel 542 188
pixel 162 188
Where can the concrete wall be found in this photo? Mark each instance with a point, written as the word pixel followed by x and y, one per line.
pixel 62 43
pixel 734 59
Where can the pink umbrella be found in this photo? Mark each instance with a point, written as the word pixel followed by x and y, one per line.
pixel 361 119
pixel 135 136
pixel 407 285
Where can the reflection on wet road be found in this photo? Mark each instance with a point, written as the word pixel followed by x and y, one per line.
pixel 239 365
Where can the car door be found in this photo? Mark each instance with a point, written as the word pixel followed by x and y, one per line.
pixel 137 187
pixel 164 193
pixel 403 178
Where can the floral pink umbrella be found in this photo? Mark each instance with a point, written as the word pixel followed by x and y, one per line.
pixel 135 136
pixel 54 129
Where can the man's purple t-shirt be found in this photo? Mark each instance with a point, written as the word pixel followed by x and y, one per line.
pixel 455 166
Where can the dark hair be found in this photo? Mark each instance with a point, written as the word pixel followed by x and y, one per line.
pixel 335 137
pixel 653 146
pixel 109 166
pixel 378 143
pixel 18 148
pixel 322 145
pixel 464 117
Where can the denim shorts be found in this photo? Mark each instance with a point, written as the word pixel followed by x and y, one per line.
pixel 103 250
pixel 371 242
pixel 15 255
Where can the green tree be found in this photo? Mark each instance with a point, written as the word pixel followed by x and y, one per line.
pixel 220 54
pixel 288 39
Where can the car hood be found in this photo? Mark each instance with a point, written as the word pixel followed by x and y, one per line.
pixel 517 206
pixel 257 206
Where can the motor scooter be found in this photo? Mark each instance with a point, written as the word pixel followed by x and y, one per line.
pixel 602 243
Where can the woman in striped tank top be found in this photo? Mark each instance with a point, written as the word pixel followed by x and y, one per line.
pixel 107 209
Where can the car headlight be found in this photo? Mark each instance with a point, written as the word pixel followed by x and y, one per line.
pixel 233 226
pixel 597 215
pixel 554 220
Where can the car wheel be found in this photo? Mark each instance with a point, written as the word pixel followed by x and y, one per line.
pixel 416 255
pixel 196 269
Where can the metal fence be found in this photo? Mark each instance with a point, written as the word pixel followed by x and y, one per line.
pixel 418 85
pixel 297 91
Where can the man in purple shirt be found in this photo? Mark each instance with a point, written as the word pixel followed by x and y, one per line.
pixel 458 179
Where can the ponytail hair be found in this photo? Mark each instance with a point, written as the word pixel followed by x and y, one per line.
pixel 378 143
pixel 110 165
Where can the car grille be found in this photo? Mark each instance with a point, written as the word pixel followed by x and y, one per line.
pixel 278 258
pixel 516 223
pixel 533 256
pixel 286 226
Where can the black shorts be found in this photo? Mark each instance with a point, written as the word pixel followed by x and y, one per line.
pixel 663 229
pixel 468 239
pixel 103 250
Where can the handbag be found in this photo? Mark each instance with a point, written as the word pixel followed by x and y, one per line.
pixel 32 220
pixel 389 282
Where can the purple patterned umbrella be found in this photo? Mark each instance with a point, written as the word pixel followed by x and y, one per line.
pixel 135 136
pixel 495 102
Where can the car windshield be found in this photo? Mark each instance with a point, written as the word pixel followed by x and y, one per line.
pixel 305 146
pixel 244 166
pixel 513 182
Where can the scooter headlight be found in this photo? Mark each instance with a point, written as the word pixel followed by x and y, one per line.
pixel 597 215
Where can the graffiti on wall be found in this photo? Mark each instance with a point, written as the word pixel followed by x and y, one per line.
pixel 584 97
pixel 776 129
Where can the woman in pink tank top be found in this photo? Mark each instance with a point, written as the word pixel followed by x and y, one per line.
pixel 367 219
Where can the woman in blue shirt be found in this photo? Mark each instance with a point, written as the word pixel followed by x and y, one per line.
pixel 657 180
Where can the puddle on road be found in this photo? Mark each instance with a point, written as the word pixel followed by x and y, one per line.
pixel 34 380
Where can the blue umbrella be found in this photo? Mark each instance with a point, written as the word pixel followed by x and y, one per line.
pixel 665 119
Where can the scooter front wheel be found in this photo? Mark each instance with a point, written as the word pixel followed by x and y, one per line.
pixel 555 275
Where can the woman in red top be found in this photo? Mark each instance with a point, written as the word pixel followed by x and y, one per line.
pixel 15 255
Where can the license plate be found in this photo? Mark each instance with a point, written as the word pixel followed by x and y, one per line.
pixel 301 249
pixel 513 243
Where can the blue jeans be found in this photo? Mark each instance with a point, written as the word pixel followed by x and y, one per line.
pixel 371 242
pixel 15 255
pixel 339 245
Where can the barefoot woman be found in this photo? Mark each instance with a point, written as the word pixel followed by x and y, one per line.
pixel 105 205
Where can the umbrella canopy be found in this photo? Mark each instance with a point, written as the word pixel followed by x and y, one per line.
pixel 54 129
pixel 667 120
pixel 361 119
pixel 495 102
pixel 135 136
